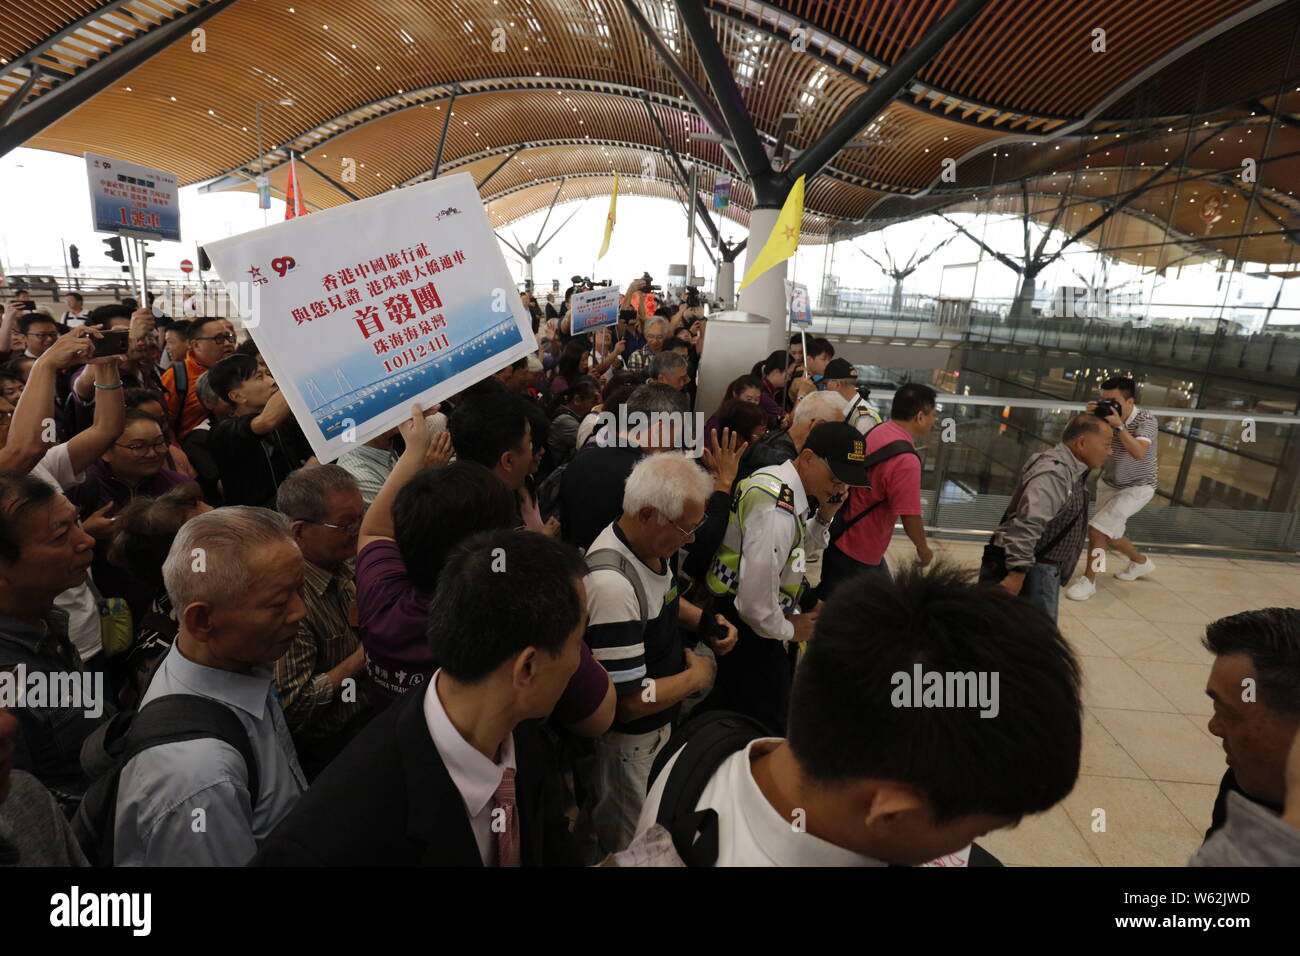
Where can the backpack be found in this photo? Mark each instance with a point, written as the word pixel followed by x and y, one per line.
pixel 548 493
pixel 607 559
pixel 164 720
pixel 901 446
pixel 704 743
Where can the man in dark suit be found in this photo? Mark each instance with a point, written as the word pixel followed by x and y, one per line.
pixel 458 774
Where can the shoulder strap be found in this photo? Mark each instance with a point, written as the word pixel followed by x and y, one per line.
pixel 178 717
pixel 895 448
pixel 704 743
pixel 181 379
pixel 607 559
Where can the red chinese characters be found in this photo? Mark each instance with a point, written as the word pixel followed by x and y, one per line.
pixel 368 320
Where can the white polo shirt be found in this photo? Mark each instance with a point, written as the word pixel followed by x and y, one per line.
pixel 750 831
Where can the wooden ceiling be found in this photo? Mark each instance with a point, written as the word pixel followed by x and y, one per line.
pixel 1018 91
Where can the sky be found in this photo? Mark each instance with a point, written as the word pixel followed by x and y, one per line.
pixel 46 203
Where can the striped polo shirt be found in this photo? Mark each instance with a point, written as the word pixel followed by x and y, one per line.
pixel 1121 469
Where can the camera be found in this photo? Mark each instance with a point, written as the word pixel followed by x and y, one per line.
pixel 1107 407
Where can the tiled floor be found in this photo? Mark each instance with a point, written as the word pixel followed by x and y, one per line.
pixel 1149 763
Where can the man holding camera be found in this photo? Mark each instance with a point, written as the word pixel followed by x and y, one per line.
pixel 1127 483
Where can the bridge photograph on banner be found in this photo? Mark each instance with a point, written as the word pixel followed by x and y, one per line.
pixel 363 309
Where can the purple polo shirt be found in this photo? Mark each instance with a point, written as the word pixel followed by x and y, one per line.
pixel 394 620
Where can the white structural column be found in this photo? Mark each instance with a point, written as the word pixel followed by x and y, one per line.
pixel 765 296
pixel 726 284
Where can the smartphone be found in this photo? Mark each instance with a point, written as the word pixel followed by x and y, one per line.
pixel 114 342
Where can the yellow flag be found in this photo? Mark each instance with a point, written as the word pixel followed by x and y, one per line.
pixel 784 239
pixel 609 220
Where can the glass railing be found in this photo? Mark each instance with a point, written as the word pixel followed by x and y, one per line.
pixel 1224 479
pixel 1193 346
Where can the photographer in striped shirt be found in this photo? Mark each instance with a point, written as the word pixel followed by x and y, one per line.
pixel 1127 482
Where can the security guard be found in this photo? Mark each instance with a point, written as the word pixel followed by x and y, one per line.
pixel 780 515
pixel 842 378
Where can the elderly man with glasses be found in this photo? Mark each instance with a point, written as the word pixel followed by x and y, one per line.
pixel 634 617
pixel 319 676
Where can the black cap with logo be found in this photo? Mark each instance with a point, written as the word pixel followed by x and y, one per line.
pixel 844 449
pixel 839 368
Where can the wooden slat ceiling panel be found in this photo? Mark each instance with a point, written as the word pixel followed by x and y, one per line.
pixel 1246 61
pixel 26 23
pixel 1021 66
pixel 997 52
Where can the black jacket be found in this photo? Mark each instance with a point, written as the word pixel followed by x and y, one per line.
pixel 387 800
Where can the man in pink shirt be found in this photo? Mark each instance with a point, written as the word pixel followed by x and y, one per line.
pixel 868 516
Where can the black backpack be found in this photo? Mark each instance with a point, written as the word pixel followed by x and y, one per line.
pixel 164 720
pixel 705 742
pixel 841 523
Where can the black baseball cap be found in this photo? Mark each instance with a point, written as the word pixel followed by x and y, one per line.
pixel 844 449
pixel 839 368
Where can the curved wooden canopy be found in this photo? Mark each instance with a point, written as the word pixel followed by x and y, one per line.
pixel 571 89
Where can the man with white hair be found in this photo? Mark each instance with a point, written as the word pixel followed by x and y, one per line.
pixel 234 576
pixel 656 334
pixel 778 447
pixel 634 614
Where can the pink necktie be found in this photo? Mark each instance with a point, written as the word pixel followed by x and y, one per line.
pixel 507 829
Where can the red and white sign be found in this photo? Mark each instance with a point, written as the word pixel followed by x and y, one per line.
pixel 186 266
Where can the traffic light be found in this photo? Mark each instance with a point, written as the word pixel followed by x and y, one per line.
pixel 74 256
pixel 144 249
pixel 114 248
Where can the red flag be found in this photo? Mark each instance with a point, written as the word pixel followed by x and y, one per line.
pixel 292 194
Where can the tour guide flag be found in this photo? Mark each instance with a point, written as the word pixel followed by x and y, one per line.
pixel 784 239
pixel 609 220
pixel 400 298
pixel 292 193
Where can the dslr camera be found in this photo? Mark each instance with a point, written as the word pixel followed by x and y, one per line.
pixel 1107 407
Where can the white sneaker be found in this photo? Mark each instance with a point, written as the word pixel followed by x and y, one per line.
pixel 1081 590
pixel 1135 570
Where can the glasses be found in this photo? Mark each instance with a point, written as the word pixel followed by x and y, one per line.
pixel 42 335
pixel 158 447
pixel 349 529
pixel 686 533
pixel 225 337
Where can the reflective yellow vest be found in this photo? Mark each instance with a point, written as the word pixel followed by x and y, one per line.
pixel 761 491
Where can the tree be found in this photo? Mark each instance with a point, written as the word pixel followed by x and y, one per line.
pixel 899 274
pixel 1037 259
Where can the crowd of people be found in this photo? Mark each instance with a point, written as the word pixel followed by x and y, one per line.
pixel 510 633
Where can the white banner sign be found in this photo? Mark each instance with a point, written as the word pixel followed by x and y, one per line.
pixel 363 309
pixel 133 200
pixel 594 308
